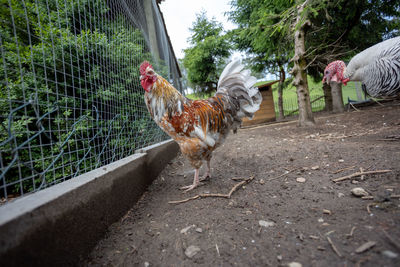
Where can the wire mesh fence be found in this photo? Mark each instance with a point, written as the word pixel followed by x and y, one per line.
pixel 70 98
pixel 291 107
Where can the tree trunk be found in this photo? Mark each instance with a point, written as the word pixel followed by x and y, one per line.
pixel 306 117
pixel 337 100
pixel 281 115
pixel 327 96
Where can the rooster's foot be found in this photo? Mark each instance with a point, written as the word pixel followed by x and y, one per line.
pixel 188 188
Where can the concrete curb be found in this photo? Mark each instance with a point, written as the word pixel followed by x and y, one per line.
pixel 60 225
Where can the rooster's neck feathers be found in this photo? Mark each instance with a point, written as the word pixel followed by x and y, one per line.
pixel 162 98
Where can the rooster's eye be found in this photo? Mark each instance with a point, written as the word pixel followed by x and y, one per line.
pixel 327 72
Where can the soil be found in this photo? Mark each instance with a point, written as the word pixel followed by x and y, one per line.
pixel 275 219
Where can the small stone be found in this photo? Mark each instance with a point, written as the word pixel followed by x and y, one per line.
pixel 262 181
pixel 315 167
pixel 265 223
pixel 191 251
pixel 354 181
pixel 326 212
pixel 294 264
pixel 320 220
pixel 248 212
pixel 279 257
pixel 146 264
pixel 301 180
pixel 199 230
pixel 359 192
pixel 325 224
pixel 320 248
pixel 340 195
pixel 341 160
pixel 365 246
pixel 390 254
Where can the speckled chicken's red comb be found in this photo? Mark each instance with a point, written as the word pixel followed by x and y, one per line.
pixel 144 66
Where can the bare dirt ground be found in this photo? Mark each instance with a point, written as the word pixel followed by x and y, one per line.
pixel 276 218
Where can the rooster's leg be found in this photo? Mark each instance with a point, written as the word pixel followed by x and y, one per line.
pixel 207 174
pixel 196 182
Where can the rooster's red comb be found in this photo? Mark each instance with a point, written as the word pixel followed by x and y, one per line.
pixel 144 66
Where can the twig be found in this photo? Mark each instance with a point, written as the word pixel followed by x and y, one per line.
pixel 372 197
pixel 335 172
pixel 216 246
pixel 370 204
pixel 391 240
pixel 367 197
pixel 359 174
pixel 351 232
pixel 234 188
pixel 286 173
pixel 334 247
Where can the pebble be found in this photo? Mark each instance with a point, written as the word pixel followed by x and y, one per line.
pixel 390 254
pixel 301 180
pixel 191 251
pixel 266 223
pixel 341 160
pixel 279 257
pixel 146 264
pixel 326 212
pixel 320 220
pixel 294 264
pixel 315 167
pixel 199 230
pixel 262 181
pixel 340 195
pixel 359 192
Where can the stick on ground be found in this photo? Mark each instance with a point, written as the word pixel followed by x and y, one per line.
pixel 391 240
pixel 334 247
pixel 359 174
pixel 234 188
pixel 286 173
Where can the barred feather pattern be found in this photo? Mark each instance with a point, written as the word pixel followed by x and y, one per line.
pixel 378 68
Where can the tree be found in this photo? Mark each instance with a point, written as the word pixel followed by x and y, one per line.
pixel 206 57
pixel 253 36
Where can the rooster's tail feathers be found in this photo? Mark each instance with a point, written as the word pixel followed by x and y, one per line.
pixel 239 85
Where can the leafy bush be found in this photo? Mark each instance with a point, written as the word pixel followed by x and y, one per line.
pixel 70 100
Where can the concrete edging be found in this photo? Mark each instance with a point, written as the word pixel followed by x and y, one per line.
pixel 60 225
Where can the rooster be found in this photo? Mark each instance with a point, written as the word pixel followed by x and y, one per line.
pixel 200 126
pixel 377 67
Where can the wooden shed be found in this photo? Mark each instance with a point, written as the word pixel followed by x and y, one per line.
pixel 266 113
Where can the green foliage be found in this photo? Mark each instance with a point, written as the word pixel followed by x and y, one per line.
pixel 338 29
pixel 255 32
pixel 344 28
pixel 206 57
pixel 67 82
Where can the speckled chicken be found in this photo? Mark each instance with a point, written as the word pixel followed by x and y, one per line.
pixel 200 126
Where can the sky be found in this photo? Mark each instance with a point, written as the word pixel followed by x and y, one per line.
pixel 179 16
